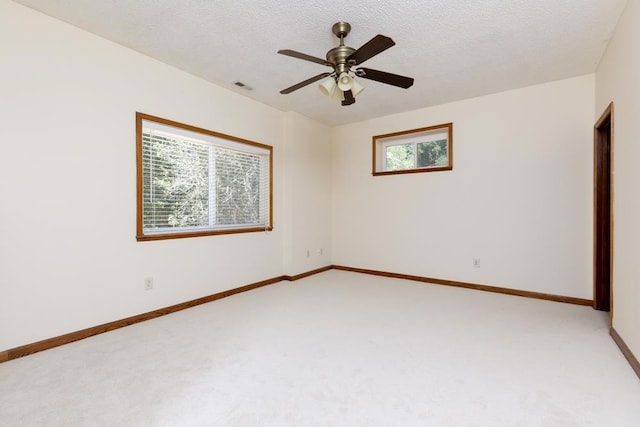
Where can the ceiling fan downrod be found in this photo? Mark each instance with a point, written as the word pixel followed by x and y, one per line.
pixel 338 55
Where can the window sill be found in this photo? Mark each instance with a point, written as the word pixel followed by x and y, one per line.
pixel 406 171
pixel 167 236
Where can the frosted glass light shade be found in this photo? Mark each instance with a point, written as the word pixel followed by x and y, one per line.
pixel 356 87
pixel 345 81
pixel 327 86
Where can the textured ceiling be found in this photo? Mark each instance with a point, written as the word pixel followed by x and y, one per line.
pixel 455 49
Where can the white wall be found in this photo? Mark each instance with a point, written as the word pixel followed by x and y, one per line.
pixel 617 80
pixel 519 196
pixel 307 194
pixel 69 258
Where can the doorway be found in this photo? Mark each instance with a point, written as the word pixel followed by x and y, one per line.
pixel 603 212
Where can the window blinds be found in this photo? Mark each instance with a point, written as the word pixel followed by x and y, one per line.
pixel 195 182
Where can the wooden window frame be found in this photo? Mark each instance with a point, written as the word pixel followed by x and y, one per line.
pixel 140 236
pixel 378 142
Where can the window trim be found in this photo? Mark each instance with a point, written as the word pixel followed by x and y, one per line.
pixel 140 236
pixel 379 143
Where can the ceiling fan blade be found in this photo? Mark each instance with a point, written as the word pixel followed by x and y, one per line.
pixel 304 56
pixel 348 98
pixel 384 77
pixel 371 48
pixel 304 83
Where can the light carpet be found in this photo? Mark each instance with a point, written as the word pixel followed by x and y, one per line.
pixel 336 349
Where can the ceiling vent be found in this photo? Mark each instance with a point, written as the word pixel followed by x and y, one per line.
pixel 243 86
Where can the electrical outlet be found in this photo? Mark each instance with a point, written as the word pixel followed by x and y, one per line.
pixel 319 251
pixel 476 262
pixel 148 283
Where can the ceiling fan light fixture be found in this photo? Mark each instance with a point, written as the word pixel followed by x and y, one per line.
pixel 327 86
pixel 338 94
pixel 345 81
pixel 356 87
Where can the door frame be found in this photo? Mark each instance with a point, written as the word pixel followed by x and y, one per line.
pixel 603 136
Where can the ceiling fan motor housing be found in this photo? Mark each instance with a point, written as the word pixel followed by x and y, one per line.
pixel 338 57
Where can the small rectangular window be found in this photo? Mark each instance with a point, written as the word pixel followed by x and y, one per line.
pixel 196 182
pixel 419 150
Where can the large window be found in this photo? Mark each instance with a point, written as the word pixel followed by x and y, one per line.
pixel 418 150
pixel 195 182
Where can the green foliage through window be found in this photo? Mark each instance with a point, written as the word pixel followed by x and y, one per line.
pixel 432 154
pixel 400 157
pixel 176 183
pixel 419 155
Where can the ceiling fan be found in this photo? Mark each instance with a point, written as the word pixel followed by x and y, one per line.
pixel 345 61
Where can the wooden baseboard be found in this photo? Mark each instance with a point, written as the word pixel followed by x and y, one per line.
pixel 27 349
pixel 626 351
pixel 307 274
pixel 486 288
